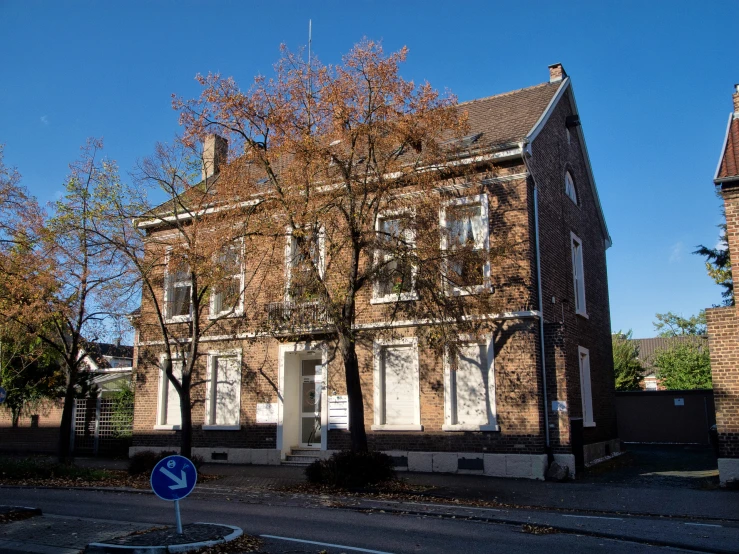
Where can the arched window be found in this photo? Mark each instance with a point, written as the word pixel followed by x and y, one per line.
pixel 570 187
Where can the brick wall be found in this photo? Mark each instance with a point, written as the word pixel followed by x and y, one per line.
pixel 517 348
pixel 33 434
pixel 553 155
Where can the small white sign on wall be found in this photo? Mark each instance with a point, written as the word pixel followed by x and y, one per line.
pixel 679 402
pixel 559 405
pixel 338 412
pixel 267 413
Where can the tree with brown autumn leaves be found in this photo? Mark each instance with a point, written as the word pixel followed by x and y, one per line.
pixel 60 284
pixel 348 169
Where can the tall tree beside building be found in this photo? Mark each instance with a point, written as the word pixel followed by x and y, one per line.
pixel 673 325
pixel 626 365
pixel 64 286
pixel 718 264
pixel 340 167
pixel 186 248
pixel 686 365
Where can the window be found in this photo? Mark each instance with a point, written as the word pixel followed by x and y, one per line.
pixel 169 415
pixel 585 390
pixel 396 278
pixel 466 240
pixel 570 188
pixel 396 395
pixel 228 298
pixel 304 257
pixel 578 275
pixel 177 289
pixel 223 391
pixel 469 388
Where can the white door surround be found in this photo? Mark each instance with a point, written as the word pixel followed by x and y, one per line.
pixel 289 398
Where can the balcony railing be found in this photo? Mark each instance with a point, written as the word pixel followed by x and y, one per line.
pixel 302 315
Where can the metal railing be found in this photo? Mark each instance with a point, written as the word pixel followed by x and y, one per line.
pixel 297 314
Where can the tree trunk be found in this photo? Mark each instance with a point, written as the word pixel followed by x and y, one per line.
pixel 65 428
pixel 186 415
pixel 354 394
pixel 16 414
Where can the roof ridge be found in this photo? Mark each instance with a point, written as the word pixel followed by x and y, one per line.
pixel 505 93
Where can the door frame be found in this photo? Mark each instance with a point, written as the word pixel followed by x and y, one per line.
pixel 301 414
pixel 298 348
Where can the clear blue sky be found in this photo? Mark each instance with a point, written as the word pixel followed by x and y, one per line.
pixel 653 81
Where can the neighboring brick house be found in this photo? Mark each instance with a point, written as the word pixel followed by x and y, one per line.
pixel 723 323
pixel 540 187
pixel 648 348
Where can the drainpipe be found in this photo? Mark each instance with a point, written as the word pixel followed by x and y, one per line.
pixel 526 151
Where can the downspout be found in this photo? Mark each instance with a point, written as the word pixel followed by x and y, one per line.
pixel 526 151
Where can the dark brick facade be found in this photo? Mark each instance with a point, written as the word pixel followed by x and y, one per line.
pixel 517 341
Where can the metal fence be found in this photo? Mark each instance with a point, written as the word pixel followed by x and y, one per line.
pixel 101 427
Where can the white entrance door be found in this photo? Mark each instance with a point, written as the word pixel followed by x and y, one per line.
pixel 311 380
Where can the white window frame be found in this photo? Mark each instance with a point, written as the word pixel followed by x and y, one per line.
pixel 578 275
pixel 586 390
pixel 211 387
pixel 378 298
pixel 482 200
pixel 570 189
pixel 169 284
pixel 214 298
pixel 289 257
pixel 450 391
pixel 163 396
pixel 378 407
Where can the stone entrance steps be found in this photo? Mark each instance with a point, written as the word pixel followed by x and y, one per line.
pixel 301 457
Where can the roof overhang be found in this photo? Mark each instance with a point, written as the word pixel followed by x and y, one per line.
pixel 540 124
pixel 720 180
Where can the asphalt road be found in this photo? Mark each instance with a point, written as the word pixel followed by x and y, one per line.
pixel 364 528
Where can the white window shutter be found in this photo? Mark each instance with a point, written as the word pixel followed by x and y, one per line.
pixel 471 385
pixel 226 374
pixel 399 389
pixel 173 414
pixel 585 387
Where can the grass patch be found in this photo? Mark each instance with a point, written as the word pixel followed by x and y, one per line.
pixel 25 469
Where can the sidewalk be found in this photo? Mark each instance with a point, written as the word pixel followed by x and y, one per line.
pixel 576 496
pixel 615 494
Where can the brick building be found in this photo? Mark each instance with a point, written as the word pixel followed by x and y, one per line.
pixel 723 323
pixel 521 409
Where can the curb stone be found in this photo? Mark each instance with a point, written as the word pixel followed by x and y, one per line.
pixel 108 548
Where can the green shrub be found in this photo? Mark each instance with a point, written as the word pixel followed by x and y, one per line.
pixel 350 470
pixel 144 462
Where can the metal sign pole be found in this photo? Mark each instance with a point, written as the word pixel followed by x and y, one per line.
pixel 177 516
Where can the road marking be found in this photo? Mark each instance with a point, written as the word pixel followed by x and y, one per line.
pixel 704 524
pixel 325 544
pixel 593 517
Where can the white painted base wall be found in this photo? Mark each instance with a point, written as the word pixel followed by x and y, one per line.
pixel 255 456
pixel 728 471
pixel 527 466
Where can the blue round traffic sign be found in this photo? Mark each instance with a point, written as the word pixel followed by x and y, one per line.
pixel 173 478
pixel 3 395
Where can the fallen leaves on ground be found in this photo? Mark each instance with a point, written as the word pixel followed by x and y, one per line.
pixel 538 529
pixel 244 543
pixel 8 517
pixel 113 478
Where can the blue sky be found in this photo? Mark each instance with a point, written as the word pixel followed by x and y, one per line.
pixel 653 82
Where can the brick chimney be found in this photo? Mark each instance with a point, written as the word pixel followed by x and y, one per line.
pixel 556 73
pixel 215 152
pixel 736 100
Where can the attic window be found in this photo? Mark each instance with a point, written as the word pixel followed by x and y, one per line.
pixel 464 142
pixel 570 188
